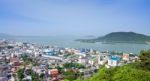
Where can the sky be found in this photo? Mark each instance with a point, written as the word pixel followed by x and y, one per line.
pixel 73 17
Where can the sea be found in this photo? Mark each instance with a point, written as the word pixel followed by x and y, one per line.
pixel 69 42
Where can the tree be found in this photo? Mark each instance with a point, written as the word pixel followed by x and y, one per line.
pixel 10 47
pixel 35 76
pixel 42 76
pixel 145 60
pixel 20 74
pixel 69 75
pixel 73 65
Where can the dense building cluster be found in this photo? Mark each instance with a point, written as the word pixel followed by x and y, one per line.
pixel 53 63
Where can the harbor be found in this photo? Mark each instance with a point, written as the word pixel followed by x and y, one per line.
pixel 52 62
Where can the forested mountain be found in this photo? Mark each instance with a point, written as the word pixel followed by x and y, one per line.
pixel 120 37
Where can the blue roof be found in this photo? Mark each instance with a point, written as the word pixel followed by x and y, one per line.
pixel 115 57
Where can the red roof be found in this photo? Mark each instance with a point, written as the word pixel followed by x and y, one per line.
pixel 14 59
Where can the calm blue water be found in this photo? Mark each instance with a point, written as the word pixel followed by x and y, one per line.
pixel 63 41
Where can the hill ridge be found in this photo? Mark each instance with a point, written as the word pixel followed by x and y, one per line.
pixel 120 37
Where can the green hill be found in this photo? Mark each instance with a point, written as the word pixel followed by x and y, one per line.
pixel 138 71
pixel 120 37
pixel 125 73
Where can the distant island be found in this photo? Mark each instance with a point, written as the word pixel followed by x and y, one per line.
pixel 120 37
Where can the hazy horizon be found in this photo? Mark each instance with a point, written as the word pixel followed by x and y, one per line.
pixel 67 35
pixel 74 17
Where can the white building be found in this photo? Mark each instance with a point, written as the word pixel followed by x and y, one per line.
pixel 112 62
pixel 126 57
pixel 103 58
pixel 81 60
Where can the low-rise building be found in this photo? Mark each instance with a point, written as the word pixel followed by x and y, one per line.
pixel 114 60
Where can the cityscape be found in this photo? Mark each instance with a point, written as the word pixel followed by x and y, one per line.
pixel 74 40
pixel 52 63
